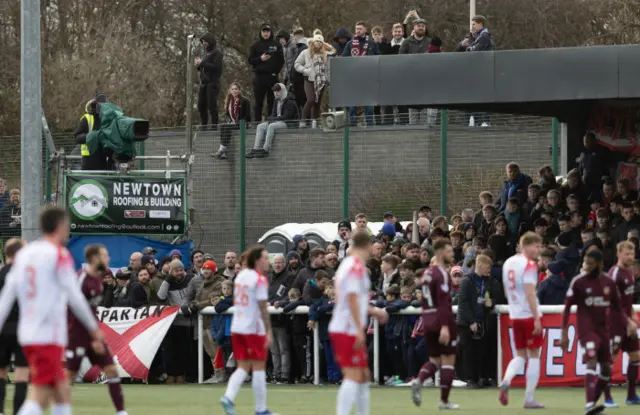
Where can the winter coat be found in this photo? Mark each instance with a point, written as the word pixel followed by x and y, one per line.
pixel 311 292
pixel 319 312
pixel 137 295
pixel 411 45
pixel 244 111
pixel 520 188
pixel 8 215
pixel 398 326
pixel 304 65
pixel 271 47
pixel 468 300
pixel 290 112
pixel 298 322
pixel 372 50
pixel 175 292
pixel 210 67
pixel 482 41
pixel 552 290
pixel 343 32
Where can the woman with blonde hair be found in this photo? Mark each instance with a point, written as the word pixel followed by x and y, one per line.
pixel 237 108
pixel 312 64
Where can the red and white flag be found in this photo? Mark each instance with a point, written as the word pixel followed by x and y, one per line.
pixel 134 335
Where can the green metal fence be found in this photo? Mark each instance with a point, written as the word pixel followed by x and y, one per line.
pixel 314 176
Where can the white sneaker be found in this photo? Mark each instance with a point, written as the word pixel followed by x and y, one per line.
pixel 428 383
pixel 303 124
pixel 485 124
pixel 448 406
pixel 458 383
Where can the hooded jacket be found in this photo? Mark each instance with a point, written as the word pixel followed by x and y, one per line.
pixel 307 274
pixel 270 47
pixel 411 45
pixel 285 108
pixel 343 32
pixel 290 270
pixel 211 66
pixel 304 257
pixel 553 289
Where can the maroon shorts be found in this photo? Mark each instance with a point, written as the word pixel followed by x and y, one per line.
pixel 595 347
pixel 523 334
pixel 45 364
pixel 346 356
pixel 249 346
pixel 437 349
pixel 78 350
pixel 624 343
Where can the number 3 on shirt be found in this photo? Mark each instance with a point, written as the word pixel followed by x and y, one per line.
pixel 31 282
pixel 241 297
pixel 511 277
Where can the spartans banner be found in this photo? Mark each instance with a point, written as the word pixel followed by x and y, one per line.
pixel 105 204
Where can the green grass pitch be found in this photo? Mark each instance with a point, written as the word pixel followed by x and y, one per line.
pixel 310 400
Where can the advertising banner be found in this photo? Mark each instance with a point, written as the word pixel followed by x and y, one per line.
pixel 110 204
pixel 557 367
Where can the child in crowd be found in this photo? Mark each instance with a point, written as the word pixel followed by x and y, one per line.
pixel 394 330
pixel 221 323
pixel 301 350
pixel 319 315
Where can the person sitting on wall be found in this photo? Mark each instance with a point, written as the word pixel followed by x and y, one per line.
pixel 285 114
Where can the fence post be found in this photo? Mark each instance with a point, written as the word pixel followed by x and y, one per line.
pixel 243 185
pixel 444 126
pixel 376 351
pixel 345 174
pixel 316 356
pixel 200 347
pixel 142 150
pixel 554 144
pixel 47 176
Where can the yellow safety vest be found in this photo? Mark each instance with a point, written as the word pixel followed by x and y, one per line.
pixel 84 150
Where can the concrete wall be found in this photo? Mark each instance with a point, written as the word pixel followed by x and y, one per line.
pixel 394 169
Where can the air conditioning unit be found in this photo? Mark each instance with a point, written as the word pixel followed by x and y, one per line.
pixel 332 121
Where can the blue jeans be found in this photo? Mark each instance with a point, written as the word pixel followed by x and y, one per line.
pixel 333 373
pixel 368 116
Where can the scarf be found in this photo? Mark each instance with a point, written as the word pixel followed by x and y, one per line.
pixel 320 69
pixel 234 109
pixel 356 50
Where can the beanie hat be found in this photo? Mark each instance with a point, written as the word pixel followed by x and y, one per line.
pixel 318 38
pixel 558 267
pixel 207 257
pixel 194 252
pixel 564 239
pixel 457 269
pixel 147 259
pixel 284 35
pixel 389 229
pixel 344 224
pixel 293 254
pixel 176 264
pixel 175 252
pixel 210 265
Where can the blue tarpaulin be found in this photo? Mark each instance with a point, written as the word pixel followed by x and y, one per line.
pixel 121 247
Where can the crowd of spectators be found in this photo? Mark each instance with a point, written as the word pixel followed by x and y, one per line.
pixel 573 216
pixel 291 71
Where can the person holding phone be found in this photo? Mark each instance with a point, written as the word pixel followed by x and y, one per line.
pixel 266 59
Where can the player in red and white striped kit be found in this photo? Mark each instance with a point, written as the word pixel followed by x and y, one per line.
pixel 348 323
pixel 520 276
pixel 250 331
pixel 42 276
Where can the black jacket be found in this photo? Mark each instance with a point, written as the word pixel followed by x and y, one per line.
pixel 343 32
pixel 10 327
pixel 468 299
pixel 279 285
pixel 307 273
pixel 244 111
pixel 211 66
pixel 137 295
pixel 552 290
pixel 311 292
pixel 298 322
pixel 7 215
pixel 372 48
pixel 290 111
pixel 385 48
pixel 623 228
pixel 319 312
pixel 593 165
pixel 271 47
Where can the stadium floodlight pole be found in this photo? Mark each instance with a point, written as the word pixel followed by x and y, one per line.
pixel 189 95
pixel 472 11
pixel 30 118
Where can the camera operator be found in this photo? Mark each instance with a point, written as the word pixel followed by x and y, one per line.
pixel 90 121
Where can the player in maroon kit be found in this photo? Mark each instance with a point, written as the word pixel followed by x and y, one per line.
pixel 622 276
pixel 79 346
pixel 594 295
pixel 441 335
